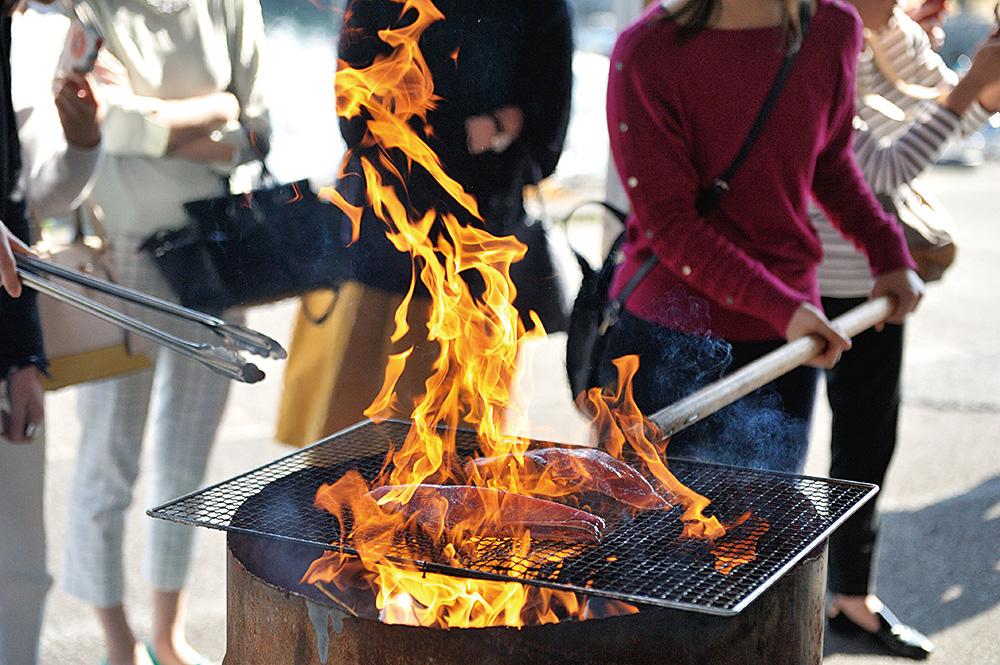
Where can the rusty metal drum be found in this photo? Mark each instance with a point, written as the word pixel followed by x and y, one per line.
pixel 274 620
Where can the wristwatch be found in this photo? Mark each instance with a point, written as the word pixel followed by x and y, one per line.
pixel 31 361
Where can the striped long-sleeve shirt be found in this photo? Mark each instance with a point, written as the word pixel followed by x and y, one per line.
pixel 897 137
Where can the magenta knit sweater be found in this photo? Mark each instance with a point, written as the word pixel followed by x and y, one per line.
pixel 679 110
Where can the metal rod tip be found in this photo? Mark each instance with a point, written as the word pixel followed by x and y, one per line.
pixel 252 373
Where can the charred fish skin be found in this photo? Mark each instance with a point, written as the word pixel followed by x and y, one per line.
pixel 582 470
pixel 509 513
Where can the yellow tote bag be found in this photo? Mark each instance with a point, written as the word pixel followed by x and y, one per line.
pixel 337 359
pixel 80 346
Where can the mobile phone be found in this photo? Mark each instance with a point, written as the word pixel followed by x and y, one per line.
pixel 83 42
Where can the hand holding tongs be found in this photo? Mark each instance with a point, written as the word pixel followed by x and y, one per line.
pixel 225 361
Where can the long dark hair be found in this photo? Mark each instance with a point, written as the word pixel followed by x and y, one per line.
pixel 693 16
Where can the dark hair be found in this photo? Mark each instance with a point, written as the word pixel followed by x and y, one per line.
pixel 693 16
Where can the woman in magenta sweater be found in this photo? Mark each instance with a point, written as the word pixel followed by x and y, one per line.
pixel 687 80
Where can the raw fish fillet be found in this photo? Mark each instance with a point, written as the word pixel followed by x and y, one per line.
pixel 439 507
pixel 580 470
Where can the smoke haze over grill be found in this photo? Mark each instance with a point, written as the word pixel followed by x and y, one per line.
pixel 754 432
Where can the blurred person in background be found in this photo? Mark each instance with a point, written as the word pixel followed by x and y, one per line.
pixel 49 158
pixel 503 72
pixel 930 15
pixel 687 80
pixel 909 106
pixel 181 84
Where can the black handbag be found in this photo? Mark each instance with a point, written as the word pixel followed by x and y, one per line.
pixel 594 312
pixel 277 241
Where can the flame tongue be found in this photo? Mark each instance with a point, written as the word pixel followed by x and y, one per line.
pixel 619 422
pixel 478 336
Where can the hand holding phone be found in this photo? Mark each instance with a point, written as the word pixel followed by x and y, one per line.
pixel 78 110
pixel 83 42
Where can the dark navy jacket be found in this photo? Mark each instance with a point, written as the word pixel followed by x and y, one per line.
pixel 20 332
pixel 484 55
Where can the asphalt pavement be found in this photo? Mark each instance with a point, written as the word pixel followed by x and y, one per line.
pixel 939 560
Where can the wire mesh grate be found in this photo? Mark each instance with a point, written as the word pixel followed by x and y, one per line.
pixel 639 560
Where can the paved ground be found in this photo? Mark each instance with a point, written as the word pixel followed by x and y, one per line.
pixel 939 565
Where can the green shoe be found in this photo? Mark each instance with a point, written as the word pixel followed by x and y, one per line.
pixel 152 656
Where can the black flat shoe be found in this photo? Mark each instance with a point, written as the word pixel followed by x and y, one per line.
pixel 892 634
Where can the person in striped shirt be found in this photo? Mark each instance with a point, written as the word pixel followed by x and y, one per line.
pixel 909 106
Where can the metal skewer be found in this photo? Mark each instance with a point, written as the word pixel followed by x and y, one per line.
pixel 238 336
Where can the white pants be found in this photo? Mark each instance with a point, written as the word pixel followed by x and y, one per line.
pixel 24 578
pixel 186 402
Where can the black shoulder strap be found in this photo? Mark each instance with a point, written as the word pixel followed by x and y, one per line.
pixel 712 195
pixel 617 212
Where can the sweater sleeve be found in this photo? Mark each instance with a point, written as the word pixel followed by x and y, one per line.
pixel 55 176
pixel 357 48
pixel 252 135
pixel 656 165
pixel 840 189
pixel 546 85
pixel 20 327
pixel 129 128
pixel 928 68
pixel 889 163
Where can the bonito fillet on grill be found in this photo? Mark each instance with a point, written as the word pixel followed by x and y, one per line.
pixel 491 512
pixel 576 471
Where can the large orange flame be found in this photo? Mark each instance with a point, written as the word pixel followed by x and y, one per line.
pixel 479 338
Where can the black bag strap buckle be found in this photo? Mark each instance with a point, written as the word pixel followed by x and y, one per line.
pixel 610 318
pixel 711 196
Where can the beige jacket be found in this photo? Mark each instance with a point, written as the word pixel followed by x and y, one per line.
pixel 203 47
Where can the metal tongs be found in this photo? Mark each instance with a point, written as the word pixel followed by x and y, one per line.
pixel 36 273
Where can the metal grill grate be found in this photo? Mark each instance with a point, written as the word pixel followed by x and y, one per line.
pixel 641 560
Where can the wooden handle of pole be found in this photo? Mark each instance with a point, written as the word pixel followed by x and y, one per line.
pixel 765 369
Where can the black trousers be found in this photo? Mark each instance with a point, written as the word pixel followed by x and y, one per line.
pixel 863 390
pixel 768 429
